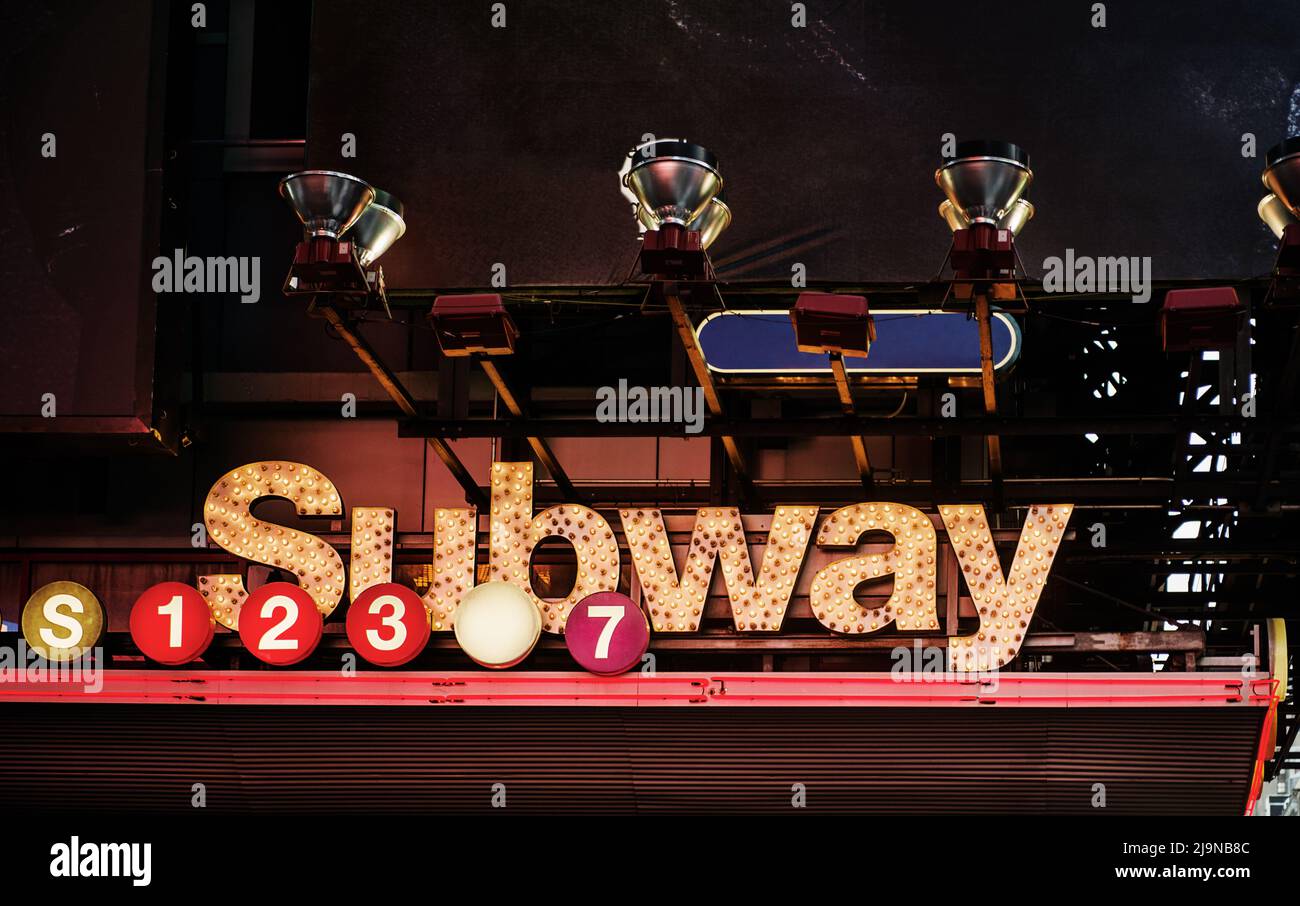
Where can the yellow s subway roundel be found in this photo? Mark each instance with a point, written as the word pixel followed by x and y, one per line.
pixel 498 623
pixel 62 621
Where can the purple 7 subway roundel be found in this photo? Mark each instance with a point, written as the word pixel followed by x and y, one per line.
pixel 607 633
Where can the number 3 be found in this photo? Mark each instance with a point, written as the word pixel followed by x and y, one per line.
pixel 393 621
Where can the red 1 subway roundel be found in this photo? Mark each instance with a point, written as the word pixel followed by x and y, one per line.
pixel 607 633
pixel 279 623
pixel 388 624
pixel 171 623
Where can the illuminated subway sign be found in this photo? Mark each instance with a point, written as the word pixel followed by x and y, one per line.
pixel 673 597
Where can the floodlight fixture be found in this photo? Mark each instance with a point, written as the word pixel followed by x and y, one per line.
pixel 1201 318
pixel 380 225
pixel 674 181
pixel 713 220
pixel 1275 214
pixel 984 179
pixel 833 323
pixel 1280 209
pixel 327 203
pixel 473 324
pixel 984 186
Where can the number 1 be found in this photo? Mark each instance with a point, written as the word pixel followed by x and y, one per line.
pixel 172 610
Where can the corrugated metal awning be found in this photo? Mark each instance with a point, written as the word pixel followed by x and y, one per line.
pixel 562 759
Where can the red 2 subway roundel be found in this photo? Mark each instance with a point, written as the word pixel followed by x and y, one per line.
pixel 279 623
pixel 171 623
pixel 607 633
pixel 388 625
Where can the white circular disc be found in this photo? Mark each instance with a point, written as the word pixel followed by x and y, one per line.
pixel 497 624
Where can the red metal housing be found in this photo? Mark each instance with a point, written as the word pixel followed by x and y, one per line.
pixel 473 324
pixel 829 322
pixel 1199 319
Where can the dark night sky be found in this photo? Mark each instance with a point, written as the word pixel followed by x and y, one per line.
pixel 504 142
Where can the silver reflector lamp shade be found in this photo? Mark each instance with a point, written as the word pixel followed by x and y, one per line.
pixel 379 226
pixel 951 216
pixel 674 180
pixel 1282 174
pixel 710 224
pixel 712 221
pixel 325 201
pixel 1014 220
pixel 1274 213
pixel 985 179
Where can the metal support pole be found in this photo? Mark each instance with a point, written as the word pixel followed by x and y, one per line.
pixel 686 333
pixel 402 397
pixel 994 442
pixel 540 447
pixel 846 403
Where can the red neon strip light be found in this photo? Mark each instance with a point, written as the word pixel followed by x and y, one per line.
pixel 1265 749
pixel 293 687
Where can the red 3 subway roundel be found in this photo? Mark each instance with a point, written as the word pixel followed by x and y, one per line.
pixel 388 624
pixel 607 633
pixel 279 623
pixel 171 623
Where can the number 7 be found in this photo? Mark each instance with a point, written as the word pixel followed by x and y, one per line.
pixel 614 615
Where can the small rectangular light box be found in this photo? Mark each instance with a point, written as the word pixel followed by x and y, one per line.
pixel 829 322
pixel 1203 318
pixel 473 324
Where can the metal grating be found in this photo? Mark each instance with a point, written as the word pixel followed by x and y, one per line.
pixel 145 758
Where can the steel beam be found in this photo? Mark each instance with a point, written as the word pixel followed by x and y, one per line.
pixel 686 333
pixel 992 440
pixel 399 394
pixel 843 425
pixel 1278 405
pixel 859 442
pixel 540 447
pixel 1110 493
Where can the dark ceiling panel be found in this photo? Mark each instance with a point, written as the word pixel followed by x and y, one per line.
pixel 77 314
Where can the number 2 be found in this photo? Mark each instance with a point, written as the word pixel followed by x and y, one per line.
pixel 271 640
